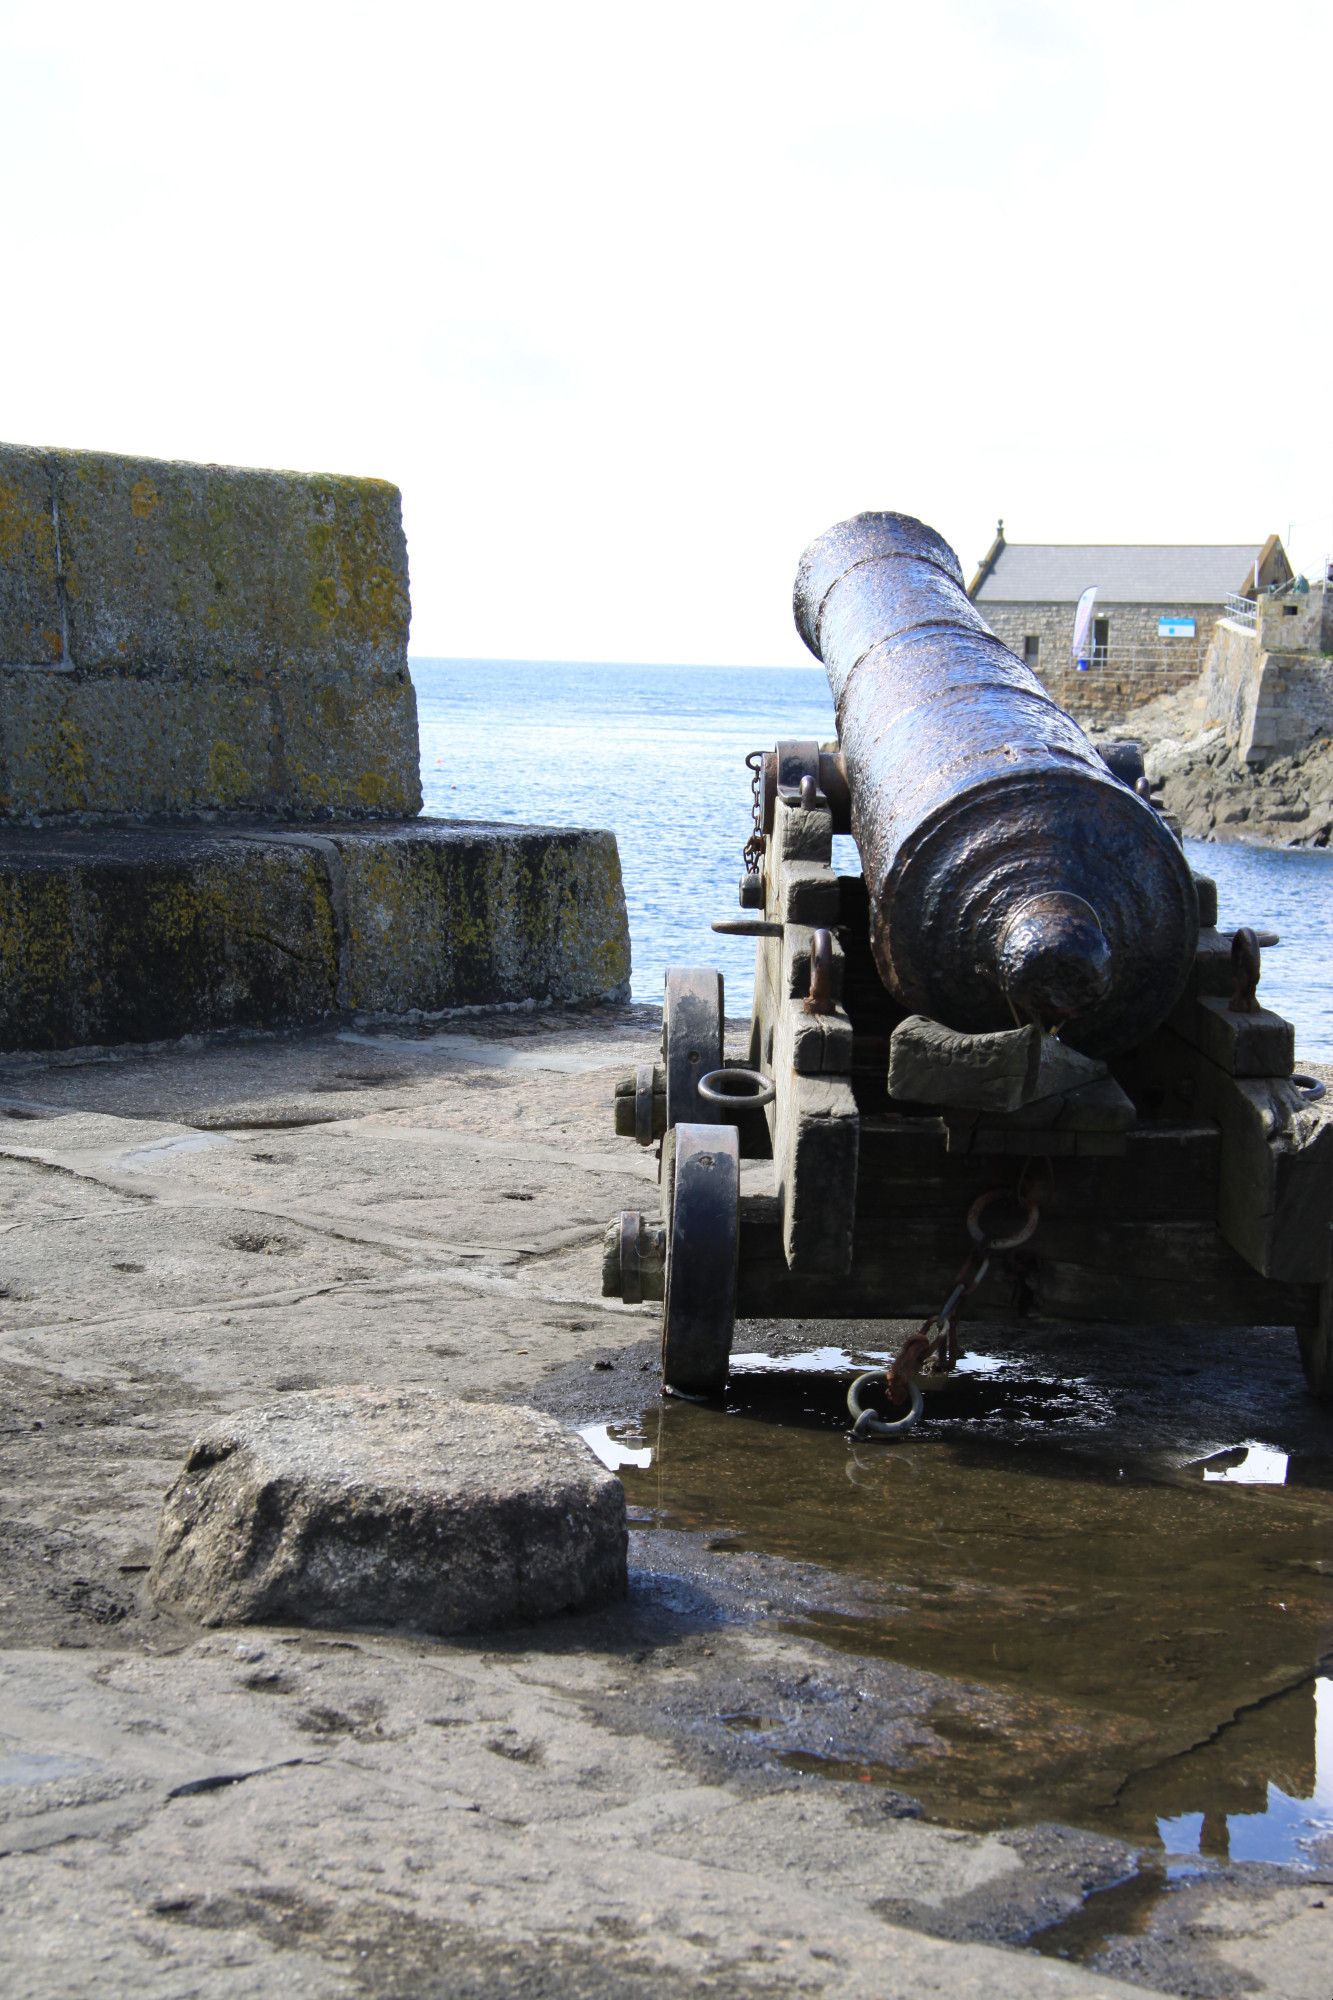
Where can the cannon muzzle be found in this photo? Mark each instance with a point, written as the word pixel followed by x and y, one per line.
pixel 1011 876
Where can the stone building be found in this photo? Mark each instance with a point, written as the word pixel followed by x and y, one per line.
pixel 1156 610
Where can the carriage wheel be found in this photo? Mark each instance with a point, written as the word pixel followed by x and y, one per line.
pixel 691 1041
pixel 699 1315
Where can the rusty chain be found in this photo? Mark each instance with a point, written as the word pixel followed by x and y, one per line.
pixel 936 1339
pixel 753 850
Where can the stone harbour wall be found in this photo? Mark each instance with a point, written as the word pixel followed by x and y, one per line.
pixel 133 934
pixel 209 773
pixel 1270 699
pixel 184 640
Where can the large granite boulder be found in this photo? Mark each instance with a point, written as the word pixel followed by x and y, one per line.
pixel 359 1506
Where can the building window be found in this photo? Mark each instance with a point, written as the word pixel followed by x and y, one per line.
pixel 1031 648
pixel 1101 640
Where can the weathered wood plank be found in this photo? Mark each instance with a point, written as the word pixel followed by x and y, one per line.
pixel 1166 1172
pixel 822 1044
pixel 810 895
pixel 1316 1343
pixel 932 1064
pixel 1275 1196
pixel 799 835
pixel 815 1148
pixel 1077 1268
pixel 1259 1044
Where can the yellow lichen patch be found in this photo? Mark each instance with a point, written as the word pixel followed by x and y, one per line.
pixel 36 935
pixel 354 540
pixel 324 601
pixel 28 633
pixel 332 708
pixel 229 780
pixel 175 910
pixel 372 790
pixel 144 499
pixel 15 523
pixel 324 925
pixel 69 764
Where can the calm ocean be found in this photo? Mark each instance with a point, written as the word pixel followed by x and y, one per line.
pixel 658 755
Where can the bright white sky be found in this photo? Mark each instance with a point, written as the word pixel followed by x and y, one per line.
pixel 632 302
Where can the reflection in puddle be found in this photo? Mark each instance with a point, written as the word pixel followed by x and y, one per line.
pixel 1133 1645
pixel 1249 1465
pixel 812 1361
pixel 1283 1827
pixel 613 1454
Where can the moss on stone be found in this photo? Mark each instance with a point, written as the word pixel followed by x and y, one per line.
pixel 138 934
pixel 188 591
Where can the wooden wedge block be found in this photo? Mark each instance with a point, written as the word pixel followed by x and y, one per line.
pixel 932 1064
pixel 1260 1044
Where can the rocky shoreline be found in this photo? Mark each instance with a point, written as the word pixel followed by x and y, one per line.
pixel 1201 780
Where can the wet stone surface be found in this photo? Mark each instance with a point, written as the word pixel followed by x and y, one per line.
pixel 1068 1612
pixel 843 1736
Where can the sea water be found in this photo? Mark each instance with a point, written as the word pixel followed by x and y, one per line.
pixel 657 754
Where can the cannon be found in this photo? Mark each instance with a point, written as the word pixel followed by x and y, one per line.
pixel 1017 1038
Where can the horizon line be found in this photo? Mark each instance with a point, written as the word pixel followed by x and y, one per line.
pixel 532 660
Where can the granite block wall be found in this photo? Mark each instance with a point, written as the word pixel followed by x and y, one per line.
pixel 200 640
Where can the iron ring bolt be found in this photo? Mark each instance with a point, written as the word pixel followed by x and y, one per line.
pixel 867 1423
pixel 984 1238
pixel 740 1089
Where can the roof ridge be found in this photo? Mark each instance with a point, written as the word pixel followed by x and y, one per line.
pixel 1133 545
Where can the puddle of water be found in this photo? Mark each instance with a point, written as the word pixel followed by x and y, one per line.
pixel 613 1454
pixel 161 1152
pixel 38 1767
pixel 1122 1908
pixel 1135 1644
pixel 1249 1465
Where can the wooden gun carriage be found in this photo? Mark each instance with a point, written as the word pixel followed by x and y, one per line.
pixel 1018 1035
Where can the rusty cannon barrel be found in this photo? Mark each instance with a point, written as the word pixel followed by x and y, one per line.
pixel 1011 876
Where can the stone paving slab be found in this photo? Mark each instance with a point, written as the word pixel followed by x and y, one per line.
pixel 341 1814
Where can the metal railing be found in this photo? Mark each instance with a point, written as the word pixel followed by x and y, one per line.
pixel 1173 659
pixel 1241 610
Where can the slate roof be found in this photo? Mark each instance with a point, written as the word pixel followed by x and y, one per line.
pixel 1124 573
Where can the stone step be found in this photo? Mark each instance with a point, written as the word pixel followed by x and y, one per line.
pixel 142 933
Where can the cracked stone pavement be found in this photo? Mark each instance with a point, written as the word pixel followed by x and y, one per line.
pixel 193 1229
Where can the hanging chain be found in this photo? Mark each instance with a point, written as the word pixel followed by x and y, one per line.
pixel 935 1342
pixel 753 851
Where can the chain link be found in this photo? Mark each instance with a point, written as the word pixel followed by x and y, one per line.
pixel 753 851
pixel 935 1342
